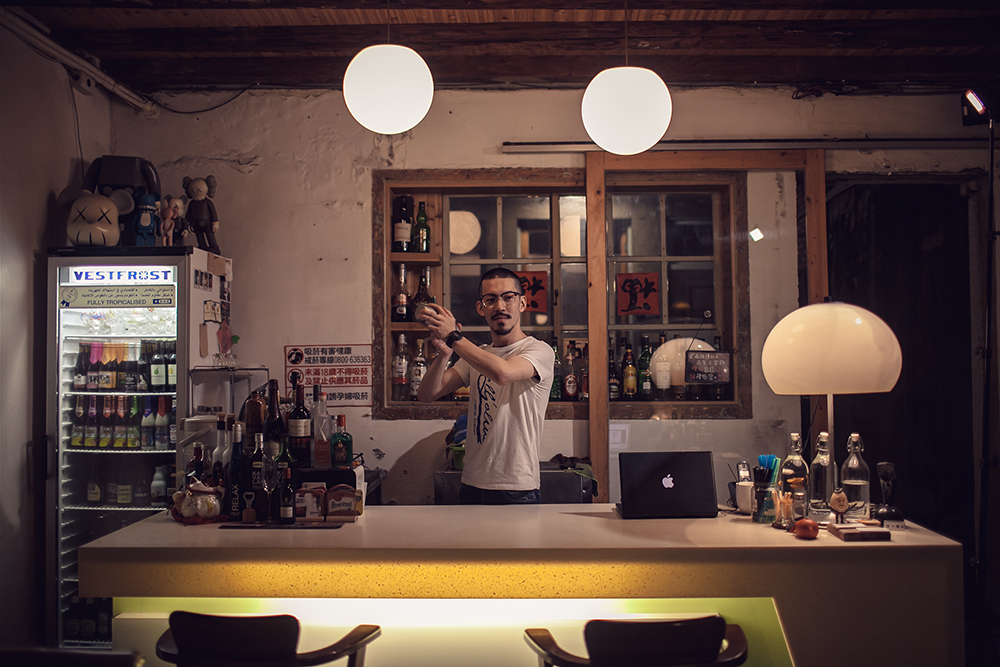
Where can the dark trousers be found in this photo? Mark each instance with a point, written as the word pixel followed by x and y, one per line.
pixel 472 495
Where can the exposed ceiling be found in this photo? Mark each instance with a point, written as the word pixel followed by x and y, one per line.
pixel 818 45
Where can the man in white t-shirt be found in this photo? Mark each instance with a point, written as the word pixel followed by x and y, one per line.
pixel 509 384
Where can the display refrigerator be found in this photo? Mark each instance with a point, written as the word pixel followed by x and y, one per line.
pixel 125 328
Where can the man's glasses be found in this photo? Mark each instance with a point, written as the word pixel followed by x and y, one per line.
pixel 508 298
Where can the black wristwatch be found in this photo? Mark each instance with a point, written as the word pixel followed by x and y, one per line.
pixel 453 338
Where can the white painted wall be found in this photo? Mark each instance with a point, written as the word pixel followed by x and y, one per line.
pixel 295 206
pixel 38 158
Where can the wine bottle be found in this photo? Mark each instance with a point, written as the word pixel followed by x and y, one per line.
pixel 91 430
pixel 236 482
pixel 283 462
pixel 106 430
pixel 79 418
pixel 401 301
pixel 614 381
pixel 400 370
pixel 132 368
pixel 630 376
pixel 342 445
pixel 80 368
pixel 161 433
pixel 402 226
pixel 171 360
pixel 157 368
pixel 274 426
pixel 94 367
pixel 645 373
pixel 260 467
pixel 120 424
pixel 147 426
pixel 286 499
pixel 143 381
pixel 300 429
pixel 422 298
pixel 121 377
pixel 172 424
pixel 255 416
pixel 421 235
pixel 223 451
pixel 322 431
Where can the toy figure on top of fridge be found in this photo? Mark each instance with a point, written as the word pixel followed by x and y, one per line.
pixel 126 325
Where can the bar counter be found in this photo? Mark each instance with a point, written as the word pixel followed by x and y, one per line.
pixel 897 602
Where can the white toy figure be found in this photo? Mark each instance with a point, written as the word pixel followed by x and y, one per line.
pixel 201 215
pixel 93 218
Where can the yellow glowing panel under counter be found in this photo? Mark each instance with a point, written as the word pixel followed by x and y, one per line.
pixel 550 552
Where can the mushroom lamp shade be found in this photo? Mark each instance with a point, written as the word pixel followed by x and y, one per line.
pixel 626 110
pixel 388 88
pixel 831 348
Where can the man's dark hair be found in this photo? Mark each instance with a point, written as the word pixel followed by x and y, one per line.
pixel 500 272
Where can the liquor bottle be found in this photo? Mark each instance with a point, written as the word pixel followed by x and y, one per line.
pixel 106 431
pixel 274 425
pixel 158 488
pixel 418 368
pixel 161 426
pixel 194 469
pixel 255 416
pixel 286 499
pixel 662 368
pixel 400 370
pixel 172 424
pixel 584 374
pixel 142 493
pixel 630 376
pixel 143 381
pixel 645 373
pixel 120 424
pixel 236 479
pixel 285 459
pixel 125 482
pixel 109 369
pixel 571 384
pixel 111 481
pixel 147 426
pixel 80 369
pixel 134 430
pixel 260 468
pixel 322 431
pixel 157 368
pixel 422 298
pixel 822 477
pixel 94 367
pixel 342 445
pixel 79 426
pixel 91 430
pixel 95 488
pixel 614 381
pixel 555 392
pixel 622 343
pixel 793 466
pixel 855 479
pixel 171 359
pixel 401 301
pixel 421 238
pixel 300 429
pixel 402 226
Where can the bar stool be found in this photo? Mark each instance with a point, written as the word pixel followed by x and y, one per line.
pixel 641 643
pixel 202 640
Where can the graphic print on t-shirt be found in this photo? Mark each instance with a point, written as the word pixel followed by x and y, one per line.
pixel 486 396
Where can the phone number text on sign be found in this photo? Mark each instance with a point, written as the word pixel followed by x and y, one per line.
pixel 343 371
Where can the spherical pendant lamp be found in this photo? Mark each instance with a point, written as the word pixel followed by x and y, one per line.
pixel 626 110
pixel 388 88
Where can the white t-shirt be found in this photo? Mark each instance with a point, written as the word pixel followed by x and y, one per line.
pixel 505 423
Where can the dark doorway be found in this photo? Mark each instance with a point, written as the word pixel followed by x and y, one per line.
pixel 902 251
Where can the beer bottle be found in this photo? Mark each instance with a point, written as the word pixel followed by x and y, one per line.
pixel 161 426
pixel 133 432
pixel 79 423
pixel 157 368
pixel 94 367
pixel 80 369
pixel 106 430
pixel 120 424
pixel 147 431
pixel 171 361
pixel 143 381
pixel 614 381
pixel 91 430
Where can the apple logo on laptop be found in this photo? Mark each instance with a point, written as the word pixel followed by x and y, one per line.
pixel 668 482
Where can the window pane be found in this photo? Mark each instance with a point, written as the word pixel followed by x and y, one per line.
pixel 573 225
pixel 573 295
pixel 635 225
pixel 689 224
pixel 637 296
pixel 472 223
pixel 464 287
pixel 527 227
pixel 691 291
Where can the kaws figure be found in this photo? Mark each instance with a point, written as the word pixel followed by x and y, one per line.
pixel 201 215
pixel 93 219
pixel 145 221
pixel 173 227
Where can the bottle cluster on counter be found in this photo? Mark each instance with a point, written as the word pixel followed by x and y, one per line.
pixel 267 467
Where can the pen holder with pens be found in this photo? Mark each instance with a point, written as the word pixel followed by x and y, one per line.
pixel 764 510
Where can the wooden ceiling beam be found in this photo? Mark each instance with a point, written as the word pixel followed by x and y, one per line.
pixel 500 5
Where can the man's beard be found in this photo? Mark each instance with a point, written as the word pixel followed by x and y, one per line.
pixel 501 324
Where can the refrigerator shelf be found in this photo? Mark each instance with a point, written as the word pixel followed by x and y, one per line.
pixel 118 393
pixel 124 336
pixel 77 450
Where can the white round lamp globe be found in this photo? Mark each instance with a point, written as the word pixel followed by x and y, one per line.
pixel 626 110
pixel 388 88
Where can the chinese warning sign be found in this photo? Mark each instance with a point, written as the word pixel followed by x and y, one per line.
pixel 344 371
pixel 638 294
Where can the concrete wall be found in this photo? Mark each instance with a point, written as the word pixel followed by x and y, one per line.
pixel 38 158
pixel 295 206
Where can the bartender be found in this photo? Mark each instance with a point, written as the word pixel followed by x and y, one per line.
pixel 509 382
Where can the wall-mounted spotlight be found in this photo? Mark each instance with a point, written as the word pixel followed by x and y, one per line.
pixel 976 107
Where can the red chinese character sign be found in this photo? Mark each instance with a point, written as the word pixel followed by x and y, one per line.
pixel 535 285
pixel 638 294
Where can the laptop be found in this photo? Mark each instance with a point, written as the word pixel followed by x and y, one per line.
pixel 667 485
